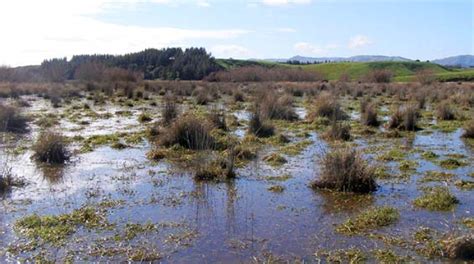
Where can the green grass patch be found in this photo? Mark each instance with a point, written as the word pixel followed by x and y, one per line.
pixel 436 199
pixel 368 220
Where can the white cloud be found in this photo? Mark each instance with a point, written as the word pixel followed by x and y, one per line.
pixel 230 51
pixel 284 2
pixel 359 41
pixel 58 28
pixel 305 48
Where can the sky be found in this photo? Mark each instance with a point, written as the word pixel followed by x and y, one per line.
pixel 34 30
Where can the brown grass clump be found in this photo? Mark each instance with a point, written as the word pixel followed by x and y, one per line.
pixel 444 111
pixel 273 107
pixel 338 131
pixel 51 148
pixel 217 119
pixel 169 110
pixel 260 127
pixel 345 170
pixel 469 130
pixel 369 116
pixel 404 118
pixel 460 248
pixel 220 168
pixel 326 105
pixel 11 120
pixel 379 76
pixel 188 131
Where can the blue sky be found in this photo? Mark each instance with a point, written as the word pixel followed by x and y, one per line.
pixel 239 29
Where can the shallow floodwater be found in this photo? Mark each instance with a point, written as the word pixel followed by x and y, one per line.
pixel 221 222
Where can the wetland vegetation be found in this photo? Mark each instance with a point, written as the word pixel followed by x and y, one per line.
pixel 118 168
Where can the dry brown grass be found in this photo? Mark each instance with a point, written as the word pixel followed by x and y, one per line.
pixel 188 131
pixel 11 120
pixel 345 170
pixel 51 147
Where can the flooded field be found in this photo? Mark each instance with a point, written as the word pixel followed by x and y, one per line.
pixel 115 200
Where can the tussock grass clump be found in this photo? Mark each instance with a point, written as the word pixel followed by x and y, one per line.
pixel 345 170
pixel 260 127
pixel 51 147
pixel 273 107
pixel 7 180
pixel 369 116
pixel 338 131
pixel 326 105
pixel 144 118
pixel 11 120
pixel 469 130
pixel 217 169
pixel 405 118
pixel 436 199
pixel 217 119
pixel 444 111
pixel 460 248
pixel 370 219
pixel 188 131
pixel 238 96
pixel 169 110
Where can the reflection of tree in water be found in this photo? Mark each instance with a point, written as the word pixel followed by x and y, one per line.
pixel 337 202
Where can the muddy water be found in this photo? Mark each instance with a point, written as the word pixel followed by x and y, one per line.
pixel 222 222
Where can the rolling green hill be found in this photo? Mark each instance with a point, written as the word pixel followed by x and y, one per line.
pixel 403 71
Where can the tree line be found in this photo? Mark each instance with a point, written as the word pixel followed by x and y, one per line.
pixel 150 64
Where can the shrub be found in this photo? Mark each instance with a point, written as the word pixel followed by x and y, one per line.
pixel 445 112
pixel 51 148
pixel 11 120
pixel 405 118
pixel 190 132
pixel 345 170
pixel 259 127
pixel 469 130
pixel 327 106
pixel 425 76
pixel 169 110
pixel 338 131
pixel 379 76
pixel 369 116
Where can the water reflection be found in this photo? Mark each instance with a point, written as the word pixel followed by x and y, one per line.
pixel 52 174
pixel 335 202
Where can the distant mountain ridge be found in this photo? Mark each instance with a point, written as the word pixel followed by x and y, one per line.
pixel 464 61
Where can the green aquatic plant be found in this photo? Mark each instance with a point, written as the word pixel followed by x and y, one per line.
pixel 368 220
pixel 436 199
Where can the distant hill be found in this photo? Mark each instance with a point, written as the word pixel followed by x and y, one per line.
pixel 359 58
pixel 402 70
pixel 462 61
